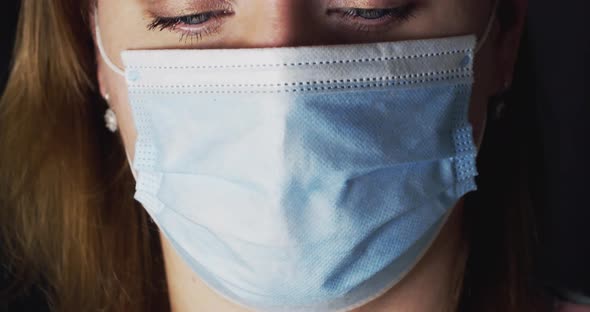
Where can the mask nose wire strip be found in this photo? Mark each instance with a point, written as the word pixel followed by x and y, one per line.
pixel 120 72
pixel 101 50
pixel 489 27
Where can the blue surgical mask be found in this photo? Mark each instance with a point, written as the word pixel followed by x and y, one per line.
pixel 305 178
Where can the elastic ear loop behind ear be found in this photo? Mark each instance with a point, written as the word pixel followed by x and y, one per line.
pixel 489 26
pixel 101 49
pixel 480 44
pixel 130 165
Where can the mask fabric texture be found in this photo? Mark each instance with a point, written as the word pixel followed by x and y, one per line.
pixel 306 178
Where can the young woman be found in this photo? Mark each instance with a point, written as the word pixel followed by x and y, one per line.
pixel 290 174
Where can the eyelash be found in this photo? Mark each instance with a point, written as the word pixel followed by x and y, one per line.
pixel 182 24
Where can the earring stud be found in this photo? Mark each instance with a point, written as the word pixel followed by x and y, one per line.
pixel 499 102
pixel 110 119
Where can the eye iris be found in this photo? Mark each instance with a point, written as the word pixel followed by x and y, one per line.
pixel 196 19
pixel 371 13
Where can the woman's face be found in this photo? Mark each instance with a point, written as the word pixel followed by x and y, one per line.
pixel 229 24
pixel 203 24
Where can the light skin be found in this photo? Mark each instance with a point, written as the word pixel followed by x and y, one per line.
pixel 279 23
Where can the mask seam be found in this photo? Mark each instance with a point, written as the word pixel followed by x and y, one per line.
pixel 315 63
pixel 326 88
pixel 149 181
pixel 465 151
pixel 446 73
pixel 200 174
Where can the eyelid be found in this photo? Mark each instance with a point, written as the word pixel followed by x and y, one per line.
pixel 187 8
pixel 170 19
pixel 190 34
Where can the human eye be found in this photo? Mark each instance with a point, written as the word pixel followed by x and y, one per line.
pixel 373 19
pixel 191 27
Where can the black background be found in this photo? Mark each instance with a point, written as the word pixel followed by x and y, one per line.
pixel 558 41
pixel 8 17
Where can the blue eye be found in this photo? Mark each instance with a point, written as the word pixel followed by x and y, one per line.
pixel 162 23
pixel 196 19
pixel 191 27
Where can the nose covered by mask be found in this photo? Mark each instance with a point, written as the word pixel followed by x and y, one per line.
pixel 303 178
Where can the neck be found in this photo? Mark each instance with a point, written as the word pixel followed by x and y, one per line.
pixel 433 283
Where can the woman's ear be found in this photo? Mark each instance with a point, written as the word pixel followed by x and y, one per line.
pixel 100 75
pixel 511 17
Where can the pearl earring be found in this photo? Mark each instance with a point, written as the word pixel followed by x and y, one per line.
pixel 110 118
pixel 499 102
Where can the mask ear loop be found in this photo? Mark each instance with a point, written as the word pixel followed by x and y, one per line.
pixel 480 44
pixel 488 30
pixel 101 49
pixel 130 165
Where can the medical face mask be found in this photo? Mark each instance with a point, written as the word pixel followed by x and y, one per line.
pixel 302 178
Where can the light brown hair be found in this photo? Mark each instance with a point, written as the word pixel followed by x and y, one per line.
pixel 68 219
